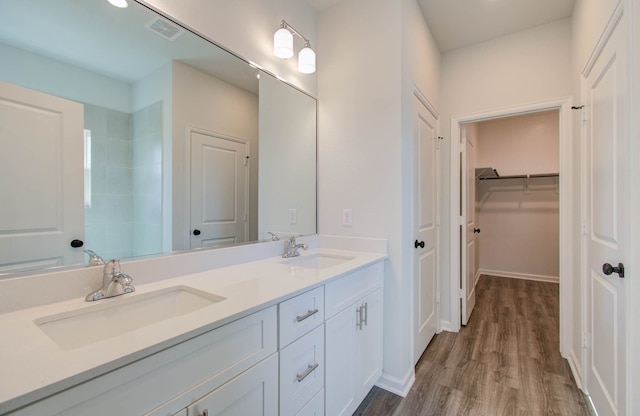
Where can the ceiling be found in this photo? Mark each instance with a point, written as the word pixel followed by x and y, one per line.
pixel 458 23
pixel 117 43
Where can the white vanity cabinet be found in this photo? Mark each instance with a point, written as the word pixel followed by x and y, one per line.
pixel 316 353
pixel 353 338
pixel 170 380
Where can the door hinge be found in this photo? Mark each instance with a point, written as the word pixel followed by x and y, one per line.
pixel 463 220
pixel 438 220
pixel 463 147
pixel 586 340
pixel 438 297
pixel 585 228
pixel 461 293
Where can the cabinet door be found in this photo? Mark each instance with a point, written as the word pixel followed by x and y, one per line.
pixel 369 344
pixel 340 361
pixel 254 392
pixel 315 407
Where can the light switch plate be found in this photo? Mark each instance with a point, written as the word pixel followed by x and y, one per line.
pixel 347 217
pixel 293 215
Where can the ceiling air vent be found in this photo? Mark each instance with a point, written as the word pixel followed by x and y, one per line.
pixel 165 28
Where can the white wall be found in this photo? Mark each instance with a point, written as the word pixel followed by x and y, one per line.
pixel 526 67
pixel 365 84
pixel 246 27
pixel 359 80
pixel 204 102
pixel 520 228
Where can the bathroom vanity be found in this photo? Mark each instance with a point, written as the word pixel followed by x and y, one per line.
pixel 272 336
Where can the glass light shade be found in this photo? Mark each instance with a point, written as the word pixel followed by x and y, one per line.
pixel 307 61
pixel 283 44
pixel 119 3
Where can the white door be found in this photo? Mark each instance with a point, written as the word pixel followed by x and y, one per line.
pixel 219 190
pixel 41 194
pixel 607 139
pixel 425 144
pixel 468 211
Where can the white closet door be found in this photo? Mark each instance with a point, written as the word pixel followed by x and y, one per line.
pixel 425 224
pixel 41 165
pixel 607 137
pixel 219 190
pixel 468 250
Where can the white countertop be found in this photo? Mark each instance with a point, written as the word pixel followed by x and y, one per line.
pixel 33 366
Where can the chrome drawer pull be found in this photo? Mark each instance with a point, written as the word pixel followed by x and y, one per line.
pixel 306 315
pixel 308 371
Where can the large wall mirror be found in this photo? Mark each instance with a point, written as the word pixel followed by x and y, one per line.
pixel 125 134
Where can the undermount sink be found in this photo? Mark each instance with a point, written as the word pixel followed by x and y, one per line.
pixel 114 317
pixel 317 260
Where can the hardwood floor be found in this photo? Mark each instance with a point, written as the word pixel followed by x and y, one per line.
pixel 506 361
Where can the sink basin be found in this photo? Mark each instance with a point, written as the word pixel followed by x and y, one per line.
pixel 317 261
pixel 114 317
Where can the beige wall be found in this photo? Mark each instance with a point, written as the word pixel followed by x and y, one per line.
pixel 520 227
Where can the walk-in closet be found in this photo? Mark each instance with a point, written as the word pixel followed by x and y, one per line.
pixel 515 196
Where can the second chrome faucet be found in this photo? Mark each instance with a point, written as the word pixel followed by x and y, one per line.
pixel 114 282
pixel 291 248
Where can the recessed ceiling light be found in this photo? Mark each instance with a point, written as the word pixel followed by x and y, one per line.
pixel 119 3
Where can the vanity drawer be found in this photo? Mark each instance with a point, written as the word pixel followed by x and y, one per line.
pixel 299 315
pixel 301 371
pixel 347 290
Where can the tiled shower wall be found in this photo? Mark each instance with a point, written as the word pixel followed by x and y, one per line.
pixel 123 210
pixel 146 164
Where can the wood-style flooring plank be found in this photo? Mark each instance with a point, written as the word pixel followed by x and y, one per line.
pixel 506 361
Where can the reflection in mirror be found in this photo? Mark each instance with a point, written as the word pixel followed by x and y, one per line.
pixel 123 131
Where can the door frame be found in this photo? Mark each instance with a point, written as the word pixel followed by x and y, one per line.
pixel 186 220
pixel 563 105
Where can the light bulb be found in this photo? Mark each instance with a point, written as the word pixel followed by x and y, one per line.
pixel 283 43
pixel 307 60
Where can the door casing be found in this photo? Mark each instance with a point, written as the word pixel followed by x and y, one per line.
pixel 563 105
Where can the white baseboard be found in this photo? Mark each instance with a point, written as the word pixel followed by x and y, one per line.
pixel 446 326
pixel 395 385
pixel 525 276
pixel 576 369
pixel 476 278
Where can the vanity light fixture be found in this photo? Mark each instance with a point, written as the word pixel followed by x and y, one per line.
pixel 283 48
pixel 119 3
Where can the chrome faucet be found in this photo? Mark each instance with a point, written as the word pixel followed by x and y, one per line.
pixel 94 259
pixel 291 248
pixel 114 282
pixel 273 236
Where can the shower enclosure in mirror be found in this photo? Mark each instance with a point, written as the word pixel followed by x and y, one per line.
pixel 126 134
